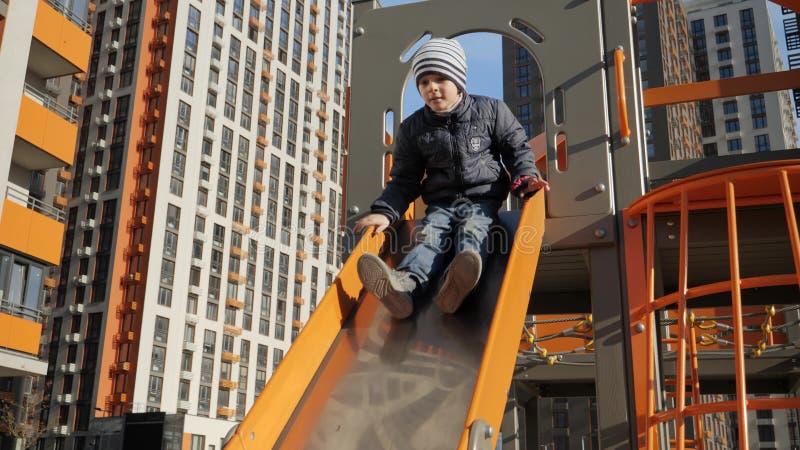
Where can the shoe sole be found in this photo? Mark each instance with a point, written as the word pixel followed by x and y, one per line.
pixel 376 278
pixel 461 279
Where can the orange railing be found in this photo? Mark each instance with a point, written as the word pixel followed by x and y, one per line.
pixel 762 184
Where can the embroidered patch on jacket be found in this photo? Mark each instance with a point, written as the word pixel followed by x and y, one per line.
pixel 475 142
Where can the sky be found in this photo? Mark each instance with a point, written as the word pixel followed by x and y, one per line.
pixel 484 75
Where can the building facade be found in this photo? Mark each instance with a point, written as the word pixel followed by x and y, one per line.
pixel 522 87
pixel 671 132
pixel 38 128
pixel 203 221
pixel 733 39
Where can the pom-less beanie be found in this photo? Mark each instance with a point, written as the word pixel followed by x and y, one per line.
pixel 444 57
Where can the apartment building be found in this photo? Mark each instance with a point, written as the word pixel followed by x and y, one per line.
pixel 42 45
pixel 733 39
pixel 663 56
pixel 522 86
pixel 202 224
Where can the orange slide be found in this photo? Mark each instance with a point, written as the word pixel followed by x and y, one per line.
pixel 355 378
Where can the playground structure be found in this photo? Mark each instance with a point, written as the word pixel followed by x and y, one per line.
pixel 647 300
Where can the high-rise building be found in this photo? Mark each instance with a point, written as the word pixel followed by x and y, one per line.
pixel 672 131
pixel 522 87
pixel 204 211
pixel 733 39
pixel 42 45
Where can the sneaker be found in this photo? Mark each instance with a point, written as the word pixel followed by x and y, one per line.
pixel 392 288
pixel 461 278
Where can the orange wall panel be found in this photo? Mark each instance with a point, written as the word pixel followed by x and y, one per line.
pixel 46 130
pixel 31 233
pixel 62 36
pixel 19 334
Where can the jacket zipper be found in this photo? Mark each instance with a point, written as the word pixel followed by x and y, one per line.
pixel 456 158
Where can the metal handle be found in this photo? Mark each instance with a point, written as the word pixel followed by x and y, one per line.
pixel 622 106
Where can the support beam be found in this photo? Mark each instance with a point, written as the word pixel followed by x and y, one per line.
pixel 794 5
pixel 611 369
pixel 729 87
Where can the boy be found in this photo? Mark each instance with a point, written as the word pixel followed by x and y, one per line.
pixel 457 152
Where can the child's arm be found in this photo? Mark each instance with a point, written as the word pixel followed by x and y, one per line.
pixel 516 153
pixel 408 167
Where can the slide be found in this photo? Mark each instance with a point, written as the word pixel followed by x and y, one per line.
pixel 357 379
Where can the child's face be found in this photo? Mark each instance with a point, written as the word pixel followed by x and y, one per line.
pixel 439 93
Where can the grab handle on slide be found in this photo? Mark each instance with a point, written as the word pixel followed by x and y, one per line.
pixel 624 130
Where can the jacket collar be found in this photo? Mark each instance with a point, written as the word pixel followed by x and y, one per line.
pixel 459 114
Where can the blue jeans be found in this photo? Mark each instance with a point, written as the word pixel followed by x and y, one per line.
pixel 446 230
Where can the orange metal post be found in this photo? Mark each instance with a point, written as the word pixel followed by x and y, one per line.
pixel 680 375
pixel 791 222
pixel 650 320
pixel 639 297
pixel 699 443
pixel 736 297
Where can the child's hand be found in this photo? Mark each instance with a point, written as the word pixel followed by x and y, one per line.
pixel 533 185
pixel 380 221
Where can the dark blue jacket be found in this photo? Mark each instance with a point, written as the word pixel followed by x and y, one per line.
pixel 468 153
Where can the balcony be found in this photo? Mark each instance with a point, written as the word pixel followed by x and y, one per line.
pixel 31 226
pixel 233 330
pixel 61 42
pixel 238 252
pixel 20 335
pixel 46 132
pixel 236 278
pixel 233 303
pixel 228 384
pixel 225 412
pixel 230 357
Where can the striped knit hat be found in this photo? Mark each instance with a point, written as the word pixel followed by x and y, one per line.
pixel 444 57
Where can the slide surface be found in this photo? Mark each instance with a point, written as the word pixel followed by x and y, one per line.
pixel 357 379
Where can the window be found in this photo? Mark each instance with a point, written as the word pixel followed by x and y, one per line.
pixel 726 72
pixel 762 142
pixel 154 389
pixel 731 125
pixel 730 107
pixel 157 359
pixel 161 329
pixel 710 150
pixel 209 341
pixel 183 390
pixel 206 369
pixel 186 361
pixel 723 37
pixel 524 112
pixel 188 333
pixel 720 20
pixel 20 283
pixel 173 216
pixel 766 433
pixel 724 54
pixel 523 74
pixel 735 145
